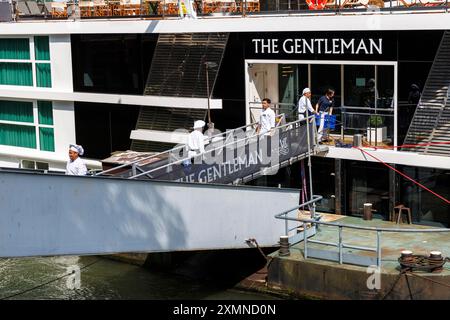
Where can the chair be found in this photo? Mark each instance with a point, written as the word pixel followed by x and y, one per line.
pixel 101 9
pixel 252 5
pixel 397 213
pixel 130 7
pixel 86 8
pixel 169 7
pixel 59 10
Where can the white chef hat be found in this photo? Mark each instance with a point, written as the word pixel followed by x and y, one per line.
pixel 199 124
pixel 306 90
pixel 77 148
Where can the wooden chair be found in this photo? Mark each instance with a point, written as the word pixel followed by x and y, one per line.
pixel 59 10
pixel 130 7
pixel 226 6
pixel 101 8
pixel 397 213
pixel 86 8
pixel 209 6
pixel 252 5
pixel 169 7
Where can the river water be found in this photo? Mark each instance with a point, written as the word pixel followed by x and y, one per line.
pixel 100 278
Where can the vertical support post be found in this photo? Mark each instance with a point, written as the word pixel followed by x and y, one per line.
pixel 338 186
pixel 305 240
pixel 393 194
pixel 378 248
pixel 340 244
pixel 133 169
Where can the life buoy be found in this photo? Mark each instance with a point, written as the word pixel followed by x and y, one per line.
pixel 316 4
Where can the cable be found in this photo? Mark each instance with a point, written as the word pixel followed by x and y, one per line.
pixel 48 282
pixel 404 175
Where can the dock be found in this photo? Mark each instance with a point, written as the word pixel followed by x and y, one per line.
pixel 325 279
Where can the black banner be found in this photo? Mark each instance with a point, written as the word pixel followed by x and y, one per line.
pixel 229 161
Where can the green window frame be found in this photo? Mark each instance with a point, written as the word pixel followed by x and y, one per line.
pixel 12 48
pixel 19 74
pixel 41 48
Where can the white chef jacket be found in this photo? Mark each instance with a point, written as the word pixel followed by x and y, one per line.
pixel 196 143
pixel 76 167
pixel 267 120
pixel 304 103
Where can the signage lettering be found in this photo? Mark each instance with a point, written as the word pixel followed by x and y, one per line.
pixel 319 46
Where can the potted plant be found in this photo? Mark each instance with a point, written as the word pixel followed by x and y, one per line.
pixel 376 131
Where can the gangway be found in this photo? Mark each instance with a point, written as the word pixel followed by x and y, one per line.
pixel 137 211
pixel 233 157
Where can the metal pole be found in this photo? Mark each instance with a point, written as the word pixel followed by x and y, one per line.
pixel 379 249
pixel 305 240
pixel 207 93
pixel 340 244
pixel 312 208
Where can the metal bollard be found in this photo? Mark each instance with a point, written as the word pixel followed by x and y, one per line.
pixel 367 211
pixel 284 246
pixel 357 140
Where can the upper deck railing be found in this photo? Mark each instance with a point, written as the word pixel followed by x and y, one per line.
pixel 23 10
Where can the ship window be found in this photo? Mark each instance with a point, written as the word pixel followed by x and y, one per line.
pixel 15 49
pixel 21 111
pixel 27 124
pixel 47 139
pixel 18 60
pixel 43 75
pixel 18 136
pixel 18 74
pixel 45 112
pixel 41 48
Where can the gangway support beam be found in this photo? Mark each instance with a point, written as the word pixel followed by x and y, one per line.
pixel 44 214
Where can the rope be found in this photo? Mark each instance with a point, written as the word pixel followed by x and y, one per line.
pixel 404 175
pixel 431 280
pixel 395 283
pixel 48 282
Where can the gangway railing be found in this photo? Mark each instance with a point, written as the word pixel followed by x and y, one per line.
pixel 134 163
pixel 340 256
pixel 283 145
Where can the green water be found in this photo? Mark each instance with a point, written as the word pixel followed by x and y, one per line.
pixel 38 278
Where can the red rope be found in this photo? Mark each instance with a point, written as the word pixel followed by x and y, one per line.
pixel 407 146
pixel 404 175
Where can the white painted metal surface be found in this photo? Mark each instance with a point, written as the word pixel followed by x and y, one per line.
pixel 60 215
pixel 292 22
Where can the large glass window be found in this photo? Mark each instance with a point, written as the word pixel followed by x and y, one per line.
pixel 367 183
pixel 324 77
pixel 426 208
pixel 359 86
pixel 20 72
pixel 19 127
pixel 14 49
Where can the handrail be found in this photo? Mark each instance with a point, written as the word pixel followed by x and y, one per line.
pixel 170 150
pixel 340 245
pixel 217 148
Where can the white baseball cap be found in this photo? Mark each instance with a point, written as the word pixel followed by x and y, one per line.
pixel 306 90
pixel 199 124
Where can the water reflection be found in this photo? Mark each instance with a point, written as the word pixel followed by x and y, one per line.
pixel 48 278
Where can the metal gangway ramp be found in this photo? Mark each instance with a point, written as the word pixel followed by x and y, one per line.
pixel 55 214
pixel 233 157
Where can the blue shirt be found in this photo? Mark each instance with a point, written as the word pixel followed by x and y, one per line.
pixel 325 104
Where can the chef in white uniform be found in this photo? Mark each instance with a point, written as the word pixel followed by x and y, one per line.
pixel 196 141
pixel 75 166
pixel 267 118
